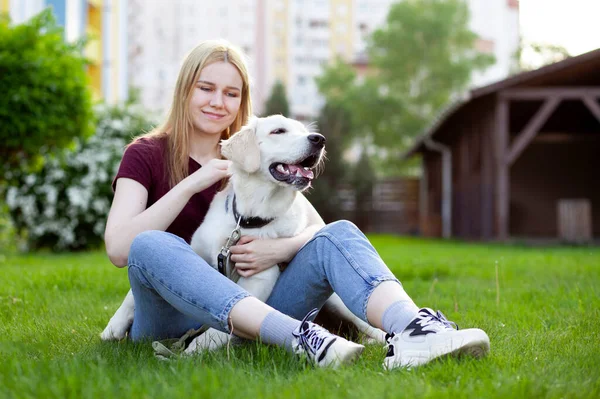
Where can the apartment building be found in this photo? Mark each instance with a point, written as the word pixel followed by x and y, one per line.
pixel 286 40
pixel 160 33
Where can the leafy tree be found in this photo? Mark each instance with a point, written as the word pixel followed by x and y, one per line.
pixel 334 124
pixel 421 58
pixel 45 101
pixel 363 181
pixel 530 56
pixel 277 102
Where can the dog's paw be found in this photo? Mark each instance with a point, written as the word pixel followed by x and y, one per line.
pixel 117 327
pixel 373 336
pixel 208 341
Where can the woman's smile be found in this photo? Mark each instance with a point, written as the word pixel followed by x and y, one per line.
pixel 212 115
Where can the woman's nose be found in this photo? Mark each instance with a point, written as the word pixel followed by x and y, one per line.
pixel 217 100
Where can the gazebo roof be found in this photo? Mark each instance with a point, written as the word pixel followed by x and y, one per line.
pixel 582 70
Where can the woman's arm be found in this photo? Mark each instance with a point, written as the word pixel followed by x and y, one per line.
pixel 252 255
pixel 128 215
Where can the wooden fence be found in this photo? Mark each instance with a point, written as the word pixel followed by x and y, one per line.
pixel 393 208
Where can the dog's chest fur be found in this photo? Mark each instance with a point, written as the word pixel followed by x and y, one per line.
pixel 219 223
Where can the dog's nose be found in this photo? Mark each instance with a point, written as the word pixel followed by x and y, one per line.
pixel 317 139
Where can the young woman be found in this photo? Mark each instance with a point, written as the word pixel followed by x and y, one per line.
pixel 163 188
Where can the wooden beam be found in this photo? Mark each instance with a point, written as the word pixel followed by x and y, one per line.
pixel 532 128
pixel 502 168
pixel 592 105
pixel 565 137
pixel 541 93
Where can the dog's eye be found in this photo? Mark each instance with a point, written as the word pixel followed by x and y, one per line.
pixel 279 131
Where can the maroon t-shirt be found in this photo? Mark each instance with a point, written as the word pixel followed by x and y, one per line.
pixel 144 162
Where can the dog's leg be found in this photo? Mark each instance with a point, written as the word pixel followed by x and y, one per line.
pixel 261 284
pixel 335 305
pixel 122 320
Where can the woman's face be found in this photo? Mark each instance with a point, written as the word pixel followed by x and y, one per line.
pixel 216 98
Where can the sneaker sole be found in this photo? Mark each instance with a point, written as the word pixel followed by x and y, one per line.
pixel 476 345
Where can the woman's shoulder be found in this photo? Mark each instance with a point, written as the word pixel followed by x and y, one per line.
pixel 149 142
pixel 148 145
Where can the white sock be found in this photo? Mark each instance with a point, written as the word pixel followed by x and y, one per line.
pixel 399 315
pixel 277 329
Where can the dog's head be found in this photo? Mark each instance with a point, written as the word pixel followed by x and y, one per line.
pixel 280 149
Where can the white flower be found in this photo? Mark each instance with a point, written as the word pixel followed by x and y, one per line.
pixel 11 197
pixel 30 180
pixel 73 186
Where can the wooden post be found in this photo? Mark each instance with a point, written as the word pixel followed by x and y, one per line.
pixel 446 184
pixel 502 168
pixel 423 197
pixel 487 178
pixel 447 194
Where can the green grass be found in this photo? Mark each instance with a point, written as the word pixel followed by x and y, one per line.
pixel 544 326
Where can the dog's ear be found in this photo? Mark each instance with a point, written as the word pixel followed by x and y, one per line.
pixel 242 148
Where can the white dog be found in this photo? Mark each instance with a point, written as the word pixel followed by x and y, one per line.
pixel 273 160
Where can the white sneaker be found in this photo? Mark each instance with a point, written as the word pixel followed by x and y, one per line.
pixel 430 335
pixel 322 347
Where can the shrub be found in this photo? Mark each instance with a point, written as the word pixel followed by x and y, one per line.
pixel 45 101
pixel 64 205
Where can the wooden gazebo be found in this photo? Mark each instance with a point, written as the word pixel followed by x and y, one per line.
pixel 505 160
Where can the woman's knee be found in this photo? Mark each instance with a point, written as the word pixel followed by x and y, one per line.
pixel 151 242
pixel 145 241
pixel 341 228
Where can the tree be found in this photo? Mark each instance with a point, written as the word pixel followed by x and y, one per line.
pixel 530 56
pixel 45 101
pixel 277 102
pixel 334 124
pixel 363 181
pixel 420 59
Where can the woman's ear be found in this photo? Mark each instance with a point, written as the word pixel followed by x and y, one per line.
pixel 242 148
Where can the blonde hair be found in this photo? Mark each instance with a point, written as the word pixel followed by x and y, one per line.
pixel 178 125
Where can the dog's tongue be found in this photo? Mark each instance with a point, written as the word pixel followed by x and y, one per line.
pixel 300 171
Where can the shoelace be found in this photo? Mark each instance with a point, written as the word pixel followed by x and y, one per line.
pixel 311 338
pixel 438 317
pixel 426 319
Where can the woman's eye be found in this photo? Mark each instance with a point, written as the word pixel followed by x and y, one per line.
pixel 279 131
pixel 204 88
pixel 232 94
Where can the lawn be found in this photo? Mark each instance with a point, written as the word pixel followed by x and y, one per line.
pixel 540 307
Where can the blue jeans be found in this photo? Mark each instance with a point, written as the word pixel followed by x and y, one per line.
pixel 175 289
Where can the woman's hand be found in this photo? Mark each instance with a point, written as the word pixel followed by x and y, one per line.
pixel 210 173
pixel 252 255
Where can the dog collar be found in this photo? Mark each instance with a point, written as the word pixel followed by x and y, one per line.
pixel 249 222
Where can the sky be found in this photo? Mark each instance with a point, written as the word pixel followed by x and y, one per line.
pixel 573 24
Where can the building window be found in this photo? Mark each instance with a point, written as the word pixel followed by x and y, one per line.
pixel 316 23
pixel 513 4
pixel 485 46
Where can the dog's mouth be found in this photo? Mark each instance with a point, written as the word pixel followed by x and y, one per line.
pixel 297 174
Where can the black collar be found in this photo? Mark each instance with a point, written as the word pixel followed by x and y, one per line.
pixel 249 222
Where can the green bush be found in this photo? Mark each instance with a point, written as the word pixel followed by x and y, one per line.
pixel 45 101
pixel 64 205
